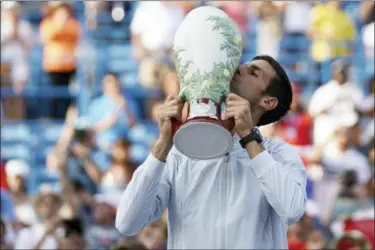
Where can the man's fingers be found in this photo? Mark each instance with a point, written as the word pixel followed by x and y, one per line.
pixel 228 114
pixel 234 104
pixel 233 97
pixel 170 112
pixel 171 103
pixel 170 97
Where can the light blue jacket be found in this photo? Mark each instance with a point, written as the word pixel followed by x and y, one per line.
pixel 233 202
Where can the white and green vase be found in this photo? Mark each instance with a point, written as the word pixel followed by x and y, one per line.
pixel 206 52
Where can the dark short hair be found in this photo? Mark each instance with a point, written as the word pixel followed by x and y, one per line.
pixel 111 73
pixel 279 87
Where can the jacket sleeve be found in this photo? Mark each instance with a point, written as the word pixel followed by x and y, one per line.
pixel 283 181
pixel 145 198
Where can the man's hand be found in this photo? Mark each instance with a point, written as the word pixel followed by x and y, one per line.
pixel 171 109
pixel 238 109
pixel 53 225
pixel 80 151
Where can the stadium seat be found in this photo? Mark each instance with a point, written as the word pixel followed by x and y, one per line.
pixel 15 132
pixel 15 151
pixel 138 153
pixel 140 134
pixel 120 51
pixel 129 79
pixel 122 65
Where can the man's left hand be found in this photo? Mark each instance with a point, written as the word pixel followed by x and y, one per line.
pixel 238 109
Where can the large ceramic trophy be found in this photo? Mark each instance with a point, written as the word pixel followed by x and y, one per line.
pixel 207 50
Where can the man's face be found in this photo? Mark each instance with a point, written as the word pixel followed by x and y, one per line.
pixel 340 75
pixel 371 155
pixel 153 236
pixel 74 241
pixel 120 152
pixel 111 84
pixel 343 136
pixel 48 207
pixel 102 212
pixel 251 80
pixel 16 183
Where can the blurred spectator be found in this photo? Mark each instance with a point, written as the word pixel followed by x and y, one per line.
pixel 5 242
pixel 295 241
pixel 332 31
pixel 121 168
pixel 8 220
pixel 154 25
pixel 336 157
pixel 128 244
pixel 67 133
pixel 367 111
pixel 103 233
pixel 368 40
pixel 109 115
pixel 17 39
pixel 17 176
pixel 7 208
pixel 147 73
pixel 295 22
pixel 86 162
pixel 269 28
pixel 296 126
pixel 347 200
pixel 46 232
pixel 59 33
pixel 371 183
pixel 334 103
pixel 187 6
pixel 3 179
pixel 92 10
pixel 351 240
pixel 367 10
pixel 305 234
pixel 73 235
pixel 154 236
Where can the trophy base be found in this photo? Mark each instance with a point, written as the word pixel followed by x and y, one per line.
pixel 203 139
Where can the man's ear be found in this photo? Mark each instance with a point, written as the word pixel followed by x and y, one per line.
pixel 269 103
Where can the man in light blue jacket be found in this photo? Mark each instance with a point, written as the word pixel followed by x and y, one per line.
pixel 244 200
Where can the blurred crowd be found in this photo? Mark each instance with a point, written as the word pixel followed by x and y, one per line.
pixel 331 123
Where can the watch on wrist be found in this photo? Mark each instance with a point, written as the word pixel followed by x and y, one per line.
pixel 254 135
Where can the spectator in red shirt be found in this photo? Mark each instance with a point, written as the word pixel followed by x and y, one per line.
pixel 3 177
pixel 295 127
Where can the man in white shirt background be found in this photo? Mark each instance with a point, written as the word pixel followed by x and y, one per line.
pixel 245 199
pixel 334 103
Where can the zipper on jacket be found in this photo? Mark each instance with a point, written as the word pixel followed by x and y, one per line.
pixel 224 200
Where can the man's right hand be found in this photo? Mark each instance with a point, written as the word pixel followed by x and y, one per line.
pixel 171 109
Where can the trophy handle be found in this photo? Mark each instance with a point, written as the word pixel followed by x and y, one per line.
pixel 228 124
pixel 176 124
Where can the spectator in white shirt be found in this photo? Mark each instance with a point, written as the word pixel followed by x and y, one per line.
pixel 46 233
pixel 368 40
pixel 295 13
pixel 335 158
pixel 368 113
pixel 155 23
pixel 334 103
pixel 17 38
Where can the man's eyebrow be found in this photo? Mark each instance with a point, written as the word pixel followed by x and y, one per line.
pixel 255 67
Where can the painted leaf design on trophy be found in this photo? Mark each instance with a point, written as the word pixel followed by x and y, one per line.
pixel 214 84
